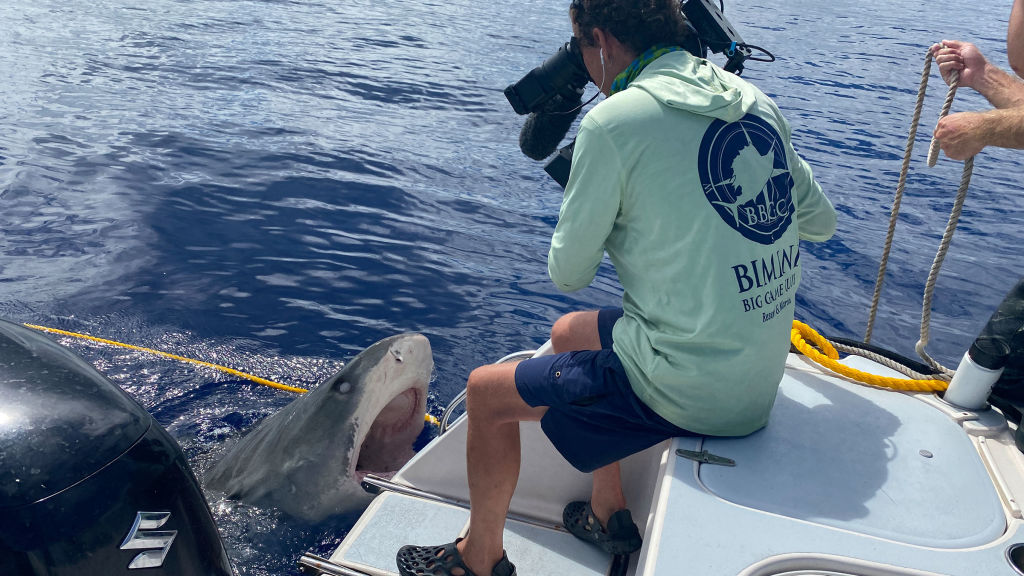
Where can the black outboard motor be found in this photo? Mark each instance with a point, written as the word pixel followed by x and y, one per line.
pixel 1000 346
pixel 89 482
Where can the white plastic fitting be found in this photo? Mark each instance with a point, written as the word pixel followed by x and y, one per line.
pixel 971 384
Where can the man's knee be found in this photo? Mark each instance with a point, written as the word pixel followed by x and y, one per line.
pixel 561 332
pixel 492 396
pixel 485 390
pixel 476 386
pixel 575 331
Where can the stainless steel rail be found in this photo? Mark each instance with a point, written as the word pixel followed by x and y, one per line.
pixel 376 485
pixel 325 566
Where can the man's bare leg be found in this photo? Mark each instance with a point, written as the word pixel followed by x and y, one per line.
pixel 606 496
pixel 492 460
pixel 578 331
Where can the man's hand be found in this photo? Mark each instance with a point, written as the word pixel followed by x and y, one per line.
pixel 962 57
pixel 998 87
pixel 962 135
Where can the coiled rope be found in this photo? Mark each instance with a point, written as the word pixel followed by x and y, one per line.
pixel 431 419
pixel 884 361
pixel 954 217
pixel 828 357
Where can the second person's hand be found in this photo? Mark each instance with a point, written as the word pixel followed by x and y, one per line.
pixel 961 135
pixel 962 57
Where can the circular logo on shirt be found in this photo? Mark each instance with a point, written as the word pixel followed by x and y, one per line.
pixel 746 178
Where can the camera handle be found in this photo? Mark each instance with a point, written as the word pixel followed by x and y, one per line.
pixel 560 164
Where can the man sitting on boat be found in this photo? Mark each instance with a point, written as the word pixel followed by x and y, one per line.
pixel 685 176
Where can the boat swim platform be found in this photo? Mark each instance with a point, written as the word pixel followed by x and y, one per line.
pixel 846 480
pixel 371 546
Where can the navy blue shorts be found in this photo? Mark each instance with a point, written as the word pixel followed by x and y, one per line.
pixel 594 418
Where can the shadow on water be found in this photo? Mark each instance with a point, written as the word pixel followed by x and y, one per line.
pixel 277 261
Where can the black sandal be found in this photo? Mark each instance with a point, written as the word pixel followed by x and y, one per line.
pixel 621 537
pixel 441 560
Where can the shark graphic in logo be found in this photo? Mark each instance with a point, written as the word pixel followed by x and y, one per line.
pixel 746 178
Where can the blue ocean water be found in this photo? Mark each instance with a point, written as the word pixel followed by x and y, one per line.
pixel 274 185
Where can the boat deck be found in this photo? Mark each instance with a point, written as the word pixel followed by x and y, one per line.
pixel 845 480
pixel 371 546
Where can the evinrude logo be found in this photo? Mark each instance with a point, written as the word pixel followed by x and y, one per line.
pixel 746 178
pixel 144 535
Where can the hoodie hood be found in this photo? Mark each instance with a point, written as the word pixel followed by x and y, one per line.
pixel 680 80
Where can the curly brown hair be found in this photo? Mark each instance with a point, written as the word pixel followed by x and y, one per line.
pixel 638 24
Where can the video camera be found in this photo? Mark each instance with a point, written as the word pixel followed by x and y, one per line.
pixel 552 93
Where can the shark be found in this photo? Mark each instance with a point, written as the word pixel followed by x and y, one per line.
pixel 308 459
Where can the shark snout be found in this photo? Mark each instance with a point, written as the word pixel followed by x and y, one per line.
pixel 413 351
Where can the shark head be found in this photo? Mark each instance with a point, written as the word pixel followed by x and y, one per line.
pixel 309 458
pixel 388 415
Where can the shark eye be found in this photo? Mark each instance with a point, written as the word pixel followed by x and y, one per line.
pixel 397 354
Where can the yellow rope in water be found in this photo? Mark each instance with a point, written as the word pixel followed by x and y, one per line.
pixel 829 359
pixel 225 369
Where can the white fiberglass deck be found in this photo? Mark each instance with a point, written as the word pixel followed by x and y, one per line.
pixel 863 460
pixel 840 480
pixel 371 546
pixel 845 480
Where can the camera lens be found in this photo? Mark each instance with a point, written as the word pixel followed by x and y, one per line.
pixel 563 73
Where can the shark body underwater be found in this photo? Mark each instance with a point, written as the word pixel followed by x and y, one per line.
pixel 308 459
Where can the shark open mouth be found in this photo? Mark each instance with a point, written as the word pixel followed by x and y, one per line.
pixel 389 441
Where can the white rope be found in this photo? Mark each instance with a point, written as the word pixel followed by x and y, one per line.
pixel 954 217
pixel 900 187
pixel 933 274
pixel 884 361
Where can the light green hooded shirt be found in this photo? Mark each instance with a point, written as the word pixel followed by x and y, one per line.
pixel 687 179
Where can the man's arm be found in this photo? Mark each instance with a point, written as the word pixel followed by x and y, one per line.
pixel 963 135
pixel 1015 38
pixel 815 215
pixel 589 209
pixel 814 212
pixel 1001 89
